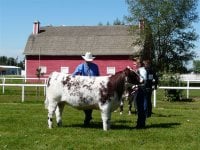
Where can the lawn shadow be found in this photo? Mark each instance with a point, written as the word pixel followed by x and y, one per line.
pixel 164 125
pixel 161 115
pixel 120 125
pixel 187 100
pixel 99 125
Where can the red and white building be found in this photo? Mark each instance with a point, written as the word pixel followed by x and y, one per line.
pixel 59 48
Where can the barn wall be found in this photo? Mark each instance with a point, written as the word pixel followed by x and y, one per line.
pixel 54 63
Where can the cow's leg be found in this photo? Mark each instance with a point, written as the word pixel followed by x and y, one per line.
pixel 135 102
pixel 88 116
pixel 59 110
pixel 51 110
pixel 130 101
pixel 121 107
pixel 106 115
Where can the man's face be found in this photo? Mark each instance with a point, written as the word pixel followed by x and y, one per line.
pixel 134 64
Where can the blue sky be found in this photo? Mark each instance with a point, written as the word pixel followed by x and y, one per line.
pixel 17 17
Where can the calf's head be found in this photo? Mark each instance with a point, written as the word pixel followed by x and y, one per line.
pixel 131 76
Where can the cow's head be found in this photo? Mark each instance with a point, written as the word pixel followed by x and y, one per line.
pixel 132 77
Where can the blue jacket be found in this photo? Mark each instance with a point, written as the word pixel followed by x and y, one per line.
pixel 87 69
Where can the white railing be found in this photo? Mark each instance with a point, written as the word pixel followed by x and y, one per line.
pixel 188 85
pixel 168 87
pixel 23 79
pixel 45 81
pixel 4 84
pixel 22 86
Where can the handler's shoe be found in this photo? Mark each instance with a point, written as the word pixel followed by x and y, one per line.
pixel 140 126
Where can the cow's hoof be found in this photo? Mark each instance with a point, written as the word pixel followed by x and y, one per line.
pixel 59 124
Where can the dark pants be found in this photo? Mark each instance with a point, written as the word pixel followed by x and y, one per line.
pixel 141 107
pixel 88 116
pixel 149 103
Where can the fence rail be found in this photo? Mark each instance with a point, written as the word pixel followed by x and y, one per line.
pixel 174 87
pixel 23 86
pixel 45 79
pixel 23 79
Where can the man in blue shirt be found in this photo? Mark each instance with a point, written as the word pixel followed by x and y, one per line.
pixel 87 68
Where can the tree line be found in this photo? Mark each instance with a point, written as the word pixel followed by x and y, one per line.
pixel 10 61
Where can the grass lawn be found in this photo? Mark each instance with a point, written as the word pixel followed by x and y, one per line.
pixel 174 125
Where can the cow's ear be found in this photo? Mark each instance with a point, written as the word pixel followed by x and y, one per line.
pixel 128 67
pixel 126 71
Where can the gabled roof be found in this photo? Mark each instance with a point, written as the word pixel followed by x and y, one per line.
pixel 76 40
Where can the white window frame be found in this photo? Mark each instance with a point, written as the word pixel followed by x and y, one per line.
pixel 43 69
pixel 64 70
pixel 110 70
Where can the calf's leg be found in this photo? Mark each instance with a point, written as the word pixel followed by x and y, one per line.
pixel 59 110
pixel 130 101
pixel 51 110
pixel 106 115
pixel 121 107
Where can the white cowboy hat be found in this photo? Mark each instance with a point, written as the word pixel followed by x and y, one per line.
pixel 88 56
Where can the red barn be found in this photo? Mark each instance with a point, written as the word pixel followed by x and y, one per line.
pixel 60 48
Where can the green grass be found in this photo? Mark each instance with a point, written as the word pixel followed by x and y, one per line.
pixel 174 125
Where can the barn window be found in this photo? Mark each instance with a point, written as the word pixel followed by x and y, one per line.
pixel 43 69
pixel 64 69
pixel 110 70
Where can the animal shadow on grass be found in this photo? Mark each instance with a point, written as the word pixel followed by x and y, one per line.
pixel 161 115
pixel 99 125
pixel 164 125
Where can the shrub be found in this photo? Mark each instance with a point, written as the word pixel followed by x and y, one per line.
pixel 172 80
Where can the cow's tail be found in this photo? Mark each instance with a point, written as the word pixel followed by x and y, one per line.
pixel 46 103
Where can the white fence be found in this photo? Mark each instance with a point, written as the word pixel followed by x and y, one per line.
pixel 23 79
pixel 181 88
pixel 22 86
pixel 45 79
pixel 4 84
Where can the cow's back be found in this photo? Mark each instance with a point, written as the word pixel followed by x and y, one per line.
pixel 55 86
pixel 81 92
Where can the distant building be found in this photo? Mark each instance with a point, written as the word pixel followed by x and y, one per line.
pixel 10 70
pixel 192 76
pixel 60 48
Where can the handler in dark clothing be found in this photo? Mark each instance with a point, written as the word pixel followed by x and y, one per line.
pixel 150 85
pixel 141 100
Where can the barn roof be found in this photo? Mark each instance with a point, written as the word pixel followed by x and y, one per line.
pixel 76 40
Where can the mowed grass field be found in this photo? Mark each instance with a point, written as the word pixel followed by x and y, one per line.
pixel 23 126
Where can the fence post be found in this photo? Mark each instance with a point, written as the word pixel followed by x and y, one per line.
pixel 45 83
pixel 188 85
pixel 22 93
pixel 154 98
pixel 3 88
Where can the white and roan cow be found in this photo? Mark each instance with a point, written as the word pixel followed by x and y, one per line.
pixel 83 92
